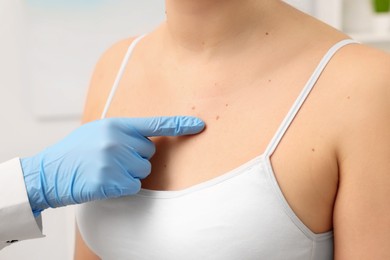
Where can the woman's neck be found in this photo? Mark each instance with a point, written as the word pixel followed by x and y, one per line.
pixel 203 26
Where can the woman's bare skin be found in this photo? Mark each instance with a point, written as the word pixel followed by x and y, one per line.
pixel 333 164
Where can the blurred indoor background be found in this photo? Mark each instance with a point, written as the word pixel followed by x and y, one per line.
pixel 48 49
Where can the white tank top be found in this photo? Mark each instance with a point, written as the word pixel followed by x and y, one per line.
pixel 239 215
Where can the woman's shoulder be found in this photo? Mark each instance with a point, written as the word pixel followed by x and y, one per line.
pixel 365 63
pixel 360 74
pixel 363 73
pixel 103 78
pixel 114 55
pixel 361 81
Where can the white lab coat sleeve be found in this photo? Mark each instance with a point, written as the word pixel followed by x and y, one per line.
pixel 17 221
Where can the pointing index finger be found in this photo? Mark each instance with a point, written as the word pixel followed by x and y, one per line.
pixel 165 126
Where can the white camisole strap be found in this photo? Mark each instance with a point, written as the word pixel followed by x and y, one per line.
pixel 120 74
pixel 303 95
pixel 289 117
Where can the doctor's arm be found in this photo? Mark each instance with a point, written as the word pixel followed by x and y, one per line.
pixel 99 160
pixel 17 221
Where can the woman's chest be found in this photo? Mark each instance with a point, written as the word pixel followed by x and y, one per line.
pixel 239 126
pixel 241 121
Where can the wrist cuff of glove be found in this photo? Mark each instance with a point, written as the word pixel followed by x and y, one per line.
pixel 32 177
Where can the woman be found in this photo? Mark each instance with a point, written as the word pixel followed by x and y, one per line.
pixel 273 176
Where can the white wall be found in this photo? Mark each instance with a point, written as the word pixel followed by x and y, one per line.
pixel 22 135
pixel 35 112
pixel 303 5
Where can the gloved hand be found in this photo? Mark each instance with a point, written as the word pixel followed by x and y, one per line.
pixel 102 159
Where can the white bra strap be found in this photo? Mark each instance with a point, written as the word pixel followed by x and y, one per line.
pixel 120 74
pixel 303 95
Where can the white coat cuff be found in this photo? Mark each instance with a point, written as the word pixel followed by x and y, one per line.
pixel 16 217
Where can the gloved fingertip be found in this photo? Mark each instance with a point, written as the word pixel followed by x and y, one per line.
pixel 168 125
pixel 197 126
pixel 185 125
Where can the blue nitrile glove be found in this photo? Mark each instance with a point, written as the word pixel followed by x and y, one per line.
pixel 102 159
